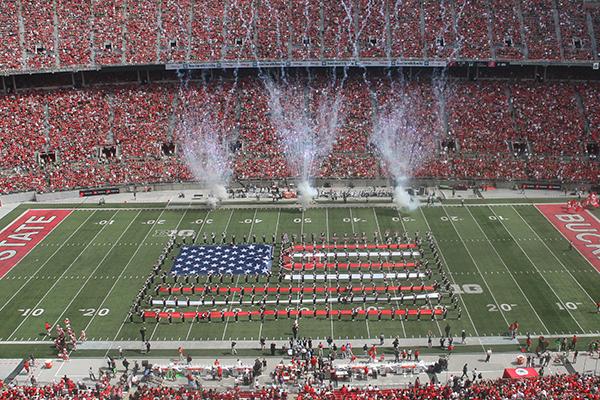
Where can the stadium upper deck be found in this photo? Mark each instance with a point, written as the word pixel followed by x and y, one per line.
pixel 89 34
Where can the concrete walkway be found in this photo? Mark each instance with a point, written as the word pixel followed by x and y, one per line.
pixel 78 369
pixel 254 344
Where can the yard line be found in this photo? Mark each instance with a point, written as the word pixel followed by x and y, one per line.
pixel 536 268
pixel 197 236
pixel 329 280
pixel 158 324
pixel 476 267
pixel 554 255
pixel 389 270
pixel 47 261
pixel 508 270
pixel 238 279
pixel 353 232
pixel 405 230
pixel 63 274
pixel 125 268
pixel 276 229
pixel 96 269
pixel 449 272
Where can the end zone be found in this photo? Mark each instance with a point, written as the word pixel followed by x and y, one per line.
pixel 24 233
pixel 580 228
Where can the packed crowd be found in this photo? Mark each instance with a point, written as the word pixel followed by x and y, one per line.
pixel 167 393
pixel 567 387
pixel 109 135
pixel 87 33
pixel 548 387
pixel 65 388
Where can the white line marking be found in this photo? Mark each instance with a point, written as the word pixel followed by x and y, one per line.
pixel 448 269
pixel 508 270
pixel 63 274
pixel 238 279
pixel 537 269
pixel 45 262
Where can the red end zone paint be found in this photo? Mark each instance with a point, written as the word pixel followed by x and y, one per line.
pixel 20 237
pixel 580 228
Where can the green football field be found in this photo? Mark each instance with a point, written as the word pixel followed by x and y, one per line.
pixel 506 262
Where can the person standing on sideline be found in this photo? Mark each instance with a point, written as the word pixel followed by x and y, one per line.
pixel 488 355
pixel 295 328
pixel 233 349
pixel 91 374
pixel 147 347
pixel 463 337
pixel 465 370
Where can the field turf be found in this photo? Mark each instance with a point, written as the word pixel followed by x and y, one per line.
pixel 508 262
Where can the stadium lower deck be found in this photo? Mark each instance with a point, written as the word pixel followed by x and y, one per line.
pixel 504 263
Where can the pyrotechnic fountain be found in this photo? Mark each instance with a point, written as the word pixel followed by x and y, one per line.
pixel 307 137
pixel 402 145
pixel 206 144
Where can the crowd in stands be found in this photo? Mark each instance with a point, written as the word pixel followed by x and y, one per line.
pixel 567 387
pixel 547 387
pixel 167 393
pixel 116 134
pixel 79 33
pixel 65 388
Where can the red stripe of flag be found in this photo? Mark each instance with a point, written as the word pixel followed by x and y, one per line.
pixel 310 266
pixel 286 290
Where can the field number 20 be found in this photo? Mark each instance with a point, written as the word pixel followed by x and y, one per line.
pixel 502 307
pixel 90 312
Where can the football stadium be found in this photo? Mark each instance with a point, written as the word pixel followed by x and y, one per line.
pixel 311 199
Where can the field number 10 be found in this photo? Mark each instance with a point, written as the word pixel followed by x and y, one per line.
pixel 36 312
pixel 567 306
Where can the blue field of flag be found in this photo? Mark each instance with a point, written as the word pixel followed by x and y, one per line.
pixel 223 259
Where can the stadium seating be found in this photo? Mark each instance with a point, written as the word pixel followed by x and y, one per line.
pixel 91 33
pixel 558 386
pixel 547 387
pixel 62 139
